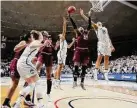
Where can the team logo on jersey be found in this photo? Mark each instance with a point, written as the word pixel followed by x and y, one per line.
pixel 32 71
pixel 85 37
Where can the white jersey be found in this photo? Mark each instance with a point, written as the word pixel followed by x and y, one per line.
pixel 63 47
pixel 103 36
pixel 62 53
pixel 28 54
pixel 104 42
pixel 24 65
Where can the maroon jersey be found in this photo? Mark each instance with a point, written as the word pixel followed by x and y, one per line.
pixel 47 49
pixel 13 65
pixel 18 54
pixel 81 54
pixel 46 54
pixel 82 41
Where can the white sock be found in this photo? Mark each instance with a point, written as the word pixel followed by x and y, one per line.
pixel 49 98
pixel 95 74
pixel 106 76
pixel 54 81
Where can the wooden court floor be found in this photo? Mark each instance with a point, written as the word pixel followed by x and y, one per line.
pixel 96 96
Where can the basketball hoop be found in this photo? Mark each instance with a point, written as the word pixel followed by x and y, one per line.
pixel 97 5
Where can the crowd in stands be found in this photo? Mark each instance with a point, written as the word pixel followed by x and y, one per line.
pixel 120 65
pixel 4 70
pixel 124 65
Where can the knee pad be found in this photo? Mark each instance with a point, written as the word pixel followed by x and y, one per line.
pixel 27 89
pixel 83 71
pixel 84 68
pixel 75 71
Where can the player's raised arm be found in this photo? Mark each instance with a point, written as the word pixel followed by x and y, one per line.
pixel 73 24
pixel 94 25
pixel 20 46
pixel 64 27
pixel 71 44
pixel 83 15
pixel 89 21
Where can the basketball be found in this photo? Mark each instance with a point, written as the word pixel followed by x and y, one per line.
pixel 71 9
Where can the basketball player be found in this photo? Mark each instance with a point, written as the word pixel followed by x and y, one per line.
pixel 105 47
pixel 28 71
pixel 39 57
pixel 46 57
pixel 62 53
pixel 19 48
pixel 81 53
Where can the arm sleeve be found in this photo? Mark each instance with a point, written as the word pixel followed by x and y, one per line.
pixel 73 23
pixel 89 24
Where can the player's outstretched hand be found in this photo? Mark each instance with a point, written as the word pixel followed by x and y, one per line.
pixel 81 12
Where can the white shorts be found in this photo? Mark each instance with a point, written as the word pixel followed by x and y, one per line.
pixel 26 70
pixel 104 49
pixel 61 59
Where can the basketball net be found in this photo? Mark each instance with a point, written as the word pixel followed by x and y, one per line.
pixel 97 5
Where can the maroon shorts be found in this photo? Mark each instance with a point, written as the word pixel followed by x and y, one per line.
pixel 13 69
pixel 81 56
pixel 46 59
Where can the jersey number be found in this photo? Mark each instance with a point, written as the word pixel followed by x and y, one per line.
pixel 85 37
